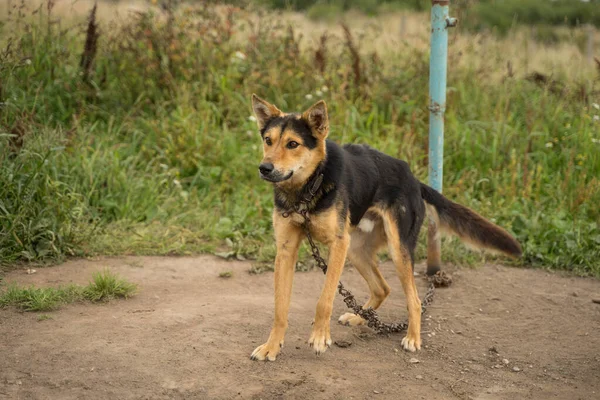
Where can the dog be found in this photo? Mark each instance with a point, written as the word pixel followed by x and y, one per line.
pixel 361 200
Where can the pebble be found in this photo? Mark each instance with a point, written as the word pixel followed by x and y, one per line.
pixel 505 361
pixel 516 369
pixel 414 361
pixel 375 391
pixel 419 377
pixel 343 343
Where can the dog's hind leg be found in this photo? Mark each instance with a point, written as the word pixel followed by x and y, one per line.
pixel 401 255
pixel 364 244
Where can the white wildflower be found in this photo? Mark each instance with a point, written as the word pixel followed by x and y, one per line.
pixel 596 118
pixel 309 96
pixel 252 118
pixel 597 141
pixel 249 133
pixel 324 89
pixel 549 144
pixel 239 55
pixel 164 166
pixel 596 106
pixel 177 183
pixel 319 93
pixel 28 62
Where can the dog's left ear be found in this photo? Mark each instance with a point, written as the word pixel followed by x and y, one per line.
pixel 317 119
pixel 264 111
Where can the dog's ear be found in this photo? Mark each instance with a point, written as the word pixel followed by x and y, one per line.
pixel 263 111
pixel 317 119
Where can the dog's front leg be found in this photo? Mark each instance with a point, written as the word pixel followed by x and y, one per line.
pixel 320 338
pixel 288 238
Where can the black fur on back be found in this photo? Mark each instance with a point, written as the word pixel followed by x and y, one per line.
pixel 360 177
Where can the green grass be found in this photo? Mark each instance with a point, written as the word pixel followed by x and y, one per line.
pixel 103 287
pixel 500 15
pixel 156 153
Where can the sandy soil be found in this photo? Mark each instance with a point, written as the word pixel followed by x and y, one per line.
pixel 188 334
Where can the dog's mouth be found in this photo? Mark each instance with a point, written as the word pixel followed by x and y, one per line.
pixel 276 178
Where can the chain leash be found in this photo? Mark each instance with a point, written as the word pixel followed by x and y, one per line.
pixel 369 314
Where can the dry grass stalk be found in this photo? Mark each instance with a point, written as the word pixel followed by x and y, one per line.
pixel 91 45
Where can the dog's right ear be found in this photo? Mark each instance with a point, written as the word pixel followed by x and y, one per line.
pixel 263 111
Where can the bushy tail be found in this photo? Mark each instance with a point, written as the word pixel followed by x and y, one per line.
pixel 471 227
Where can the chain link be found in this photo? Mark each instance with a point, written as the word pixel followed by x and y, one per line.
pixel 369 314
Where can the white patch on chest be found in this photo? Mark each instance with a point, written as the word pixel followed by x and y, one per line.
pixel 366 225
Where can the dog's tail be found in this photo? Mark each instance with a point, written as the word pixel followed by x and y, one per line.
pixel 471 227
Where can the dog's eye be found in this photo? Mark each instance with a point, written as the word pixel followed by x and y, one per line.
pixel 268 141
pixel 292 145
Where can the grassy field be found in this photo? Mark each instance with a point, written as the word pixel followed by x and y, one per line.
pixel 142 141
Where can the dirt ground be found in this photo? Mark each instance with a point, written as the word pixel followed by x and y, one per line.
pixel 497 333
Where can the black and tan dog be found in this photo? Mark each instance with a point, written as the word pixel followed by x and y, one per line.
pixel 365 201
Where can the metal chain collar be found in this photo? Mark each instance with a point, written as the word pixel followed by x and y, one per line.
pixel 369 314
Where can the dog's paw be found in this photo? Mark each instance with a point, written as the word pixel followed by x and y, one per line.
pixel 410 343
pixel 267 351
pixel 350 319
pixel 320 340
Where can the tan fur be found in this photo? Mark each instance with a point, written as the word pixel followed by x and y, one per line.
pixel 288 237
pixel 329 230
pixel 301 161
pixel 363 256
pixel 264 110
pixel 404 268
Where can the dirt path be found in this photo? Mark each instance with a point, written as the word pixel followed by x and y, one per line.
pixel 188 334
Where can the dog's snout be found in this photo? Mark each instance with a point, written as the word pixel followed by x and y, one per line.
pixel 266 168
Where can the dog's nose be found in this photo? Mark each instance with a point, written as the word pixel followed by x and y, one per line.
pixel 266 168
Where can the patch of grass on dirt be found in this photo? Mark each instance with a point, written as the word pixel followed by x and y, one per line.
pixel 104 286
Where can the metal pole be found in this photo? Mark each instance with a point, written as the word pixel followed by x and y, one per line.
pixel 440 22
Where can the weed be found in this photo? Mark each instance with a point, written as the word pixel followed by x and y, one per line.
pixel 225 274
pixel 104 286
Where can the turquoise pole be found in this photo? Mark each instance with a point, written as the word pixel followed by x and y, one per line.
pixel 438 63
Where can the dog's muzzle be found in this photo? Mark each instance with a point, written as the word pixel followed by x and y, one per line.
pixel 269 173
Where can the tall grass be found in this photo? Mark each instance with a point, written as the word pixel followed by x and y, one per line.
pixel 150 148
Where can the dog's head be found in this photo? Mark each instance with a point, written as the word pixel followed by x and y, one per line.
pixel 293 144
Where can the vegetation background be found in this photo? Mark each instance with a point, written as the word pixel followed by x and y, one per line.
pixel 126 128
